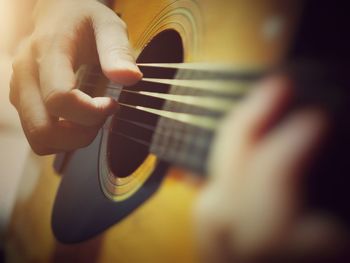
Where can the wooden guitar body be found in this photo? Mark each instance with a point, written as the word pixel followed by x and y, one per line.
pixel 147 216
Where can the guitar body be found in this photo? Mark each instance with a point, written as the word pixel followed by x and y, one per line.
pixel 150 221
pixel 160 230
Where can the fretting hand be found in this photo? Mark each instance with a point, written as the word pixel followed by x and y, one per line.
pixel 251 206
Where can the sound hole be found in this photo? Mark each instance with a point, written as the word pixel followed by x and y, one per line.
pixel 125 153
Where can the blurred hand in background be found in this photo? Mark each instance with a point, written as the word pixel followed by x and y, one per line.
pixel 251 208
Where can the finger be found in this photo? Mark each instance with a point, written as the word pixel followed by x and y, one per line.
pixel 62 136
pixel 57 81
pixel 113 47
pixel 262 107
pixel 287 151
pixel 272 191
pixel 44 133
pixel 236 140
pixel 245 125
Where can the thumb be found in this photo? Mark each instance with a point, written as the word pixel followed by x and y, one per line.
pixel 113 48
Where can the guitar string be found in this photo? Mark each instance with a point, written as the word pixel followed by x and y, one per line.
pixel 199 121
pixel 230 87
pixel 146 143
pixel 231 69
pixel 133 138
pixel 192 121
pixel 138 140
pixel 234 93
pixel 204 122
pixel 209 103
pixel 224 87
pixel 206 102
pixel 208 67
pixel 136 123
pixel 142 125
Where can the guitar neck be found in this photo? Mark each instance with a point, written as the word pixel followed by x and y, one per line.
pixel 188 145
pixel 183 145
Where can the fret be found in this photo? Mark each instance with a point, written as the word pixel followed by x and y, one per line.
pixel 180 144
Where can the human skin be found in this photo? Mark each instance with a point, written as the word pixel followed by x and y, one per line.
pixel 54 115
pixel 251 207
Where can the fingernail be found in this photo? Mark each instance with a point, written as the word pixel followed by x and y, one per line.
pixel 126 64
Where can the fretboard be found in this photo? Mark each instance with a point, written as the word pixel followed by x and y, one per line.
pixel 188 145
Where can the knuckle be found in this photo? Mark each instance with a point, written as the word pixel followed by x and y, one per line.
pixel 17 63
pixel 120 50
pixel 24 55
pixel 41 40
pixel 23 63
pixel 53 97
pixel 37 129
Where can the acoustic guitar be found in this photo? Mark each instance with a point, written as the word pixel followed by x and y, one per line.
pixel 128 197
